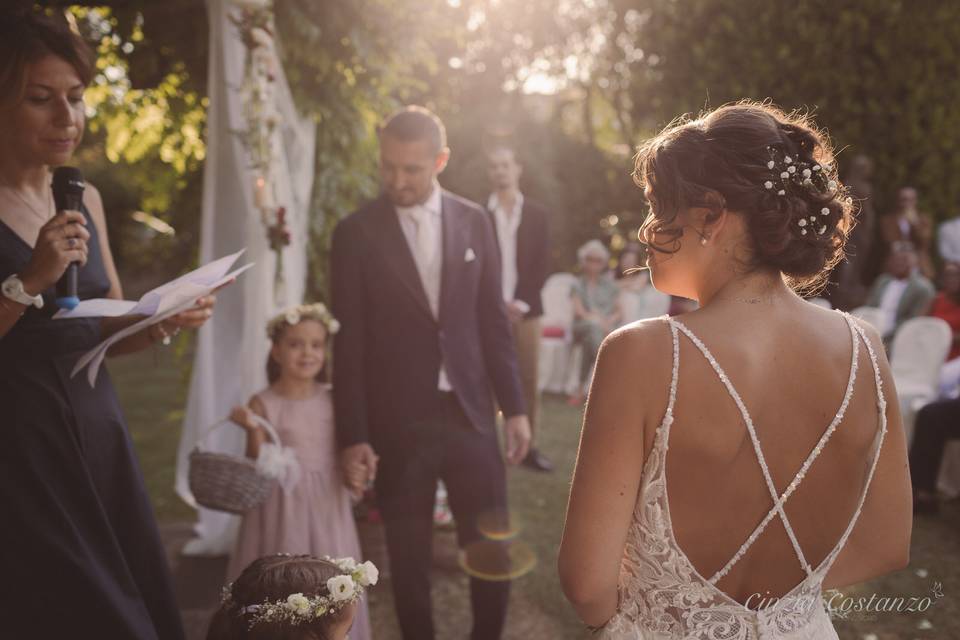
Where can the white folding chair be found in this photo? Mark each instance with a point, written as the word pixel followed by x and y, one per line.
pixel 557 319
pixel 919 349
pixel 871 315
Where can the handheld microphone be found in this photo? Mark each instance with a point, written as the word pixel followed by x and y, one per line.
pixel 68 188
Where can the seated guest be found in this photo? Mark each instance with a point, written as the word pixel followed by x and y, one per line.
pixel 936 423
pixel 901 293
pixel 638 298
pixel 946 306
pixel 906 224
pixel 596 309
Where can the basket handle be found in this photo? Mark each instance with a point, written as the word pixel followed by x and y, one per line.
pixel 260 420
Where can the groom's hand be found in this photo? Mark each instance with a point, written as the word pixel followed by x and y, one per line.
pixel 516 432
pixel 359 463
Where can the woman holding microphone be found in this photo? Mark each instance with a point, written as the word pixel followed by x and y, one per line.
pixel 79 546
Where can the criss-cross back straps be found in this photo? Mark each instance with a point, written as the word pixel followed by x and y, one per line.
pixel 881 433
pixel 779 501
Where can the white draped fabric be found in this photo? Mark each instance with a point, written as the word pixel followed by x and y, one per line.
pixel 232 348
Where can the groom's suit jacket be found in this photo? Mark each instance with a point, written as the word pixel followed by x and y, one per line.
pixel 388 351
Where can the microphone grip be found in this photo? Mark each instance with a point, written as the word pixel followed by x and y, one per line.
pixel 67 296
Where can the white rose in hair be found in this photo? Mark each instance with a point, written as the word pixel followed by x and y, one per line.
pixel 293 317
pixel 368 574
pixel 298 603
pixel 341 588
pixel 334 326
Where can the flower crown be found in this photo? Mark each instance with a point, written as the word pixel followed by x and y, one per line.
pixel 789 174
pixel 296 314
pixel 297 608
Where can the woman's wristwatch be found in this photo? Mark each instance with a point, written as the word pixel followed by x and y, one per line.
pixel 13 289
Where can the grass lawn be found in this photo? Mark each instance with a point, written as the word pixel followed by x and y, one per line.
pixel 152 391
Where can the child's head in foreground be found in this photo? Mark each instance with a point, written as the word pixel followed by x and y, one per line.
pixel 285 597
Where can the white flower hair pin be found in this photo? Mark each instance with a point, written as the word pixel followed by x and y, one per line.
pixel 296 314
pixel 297 608
pixel 792 174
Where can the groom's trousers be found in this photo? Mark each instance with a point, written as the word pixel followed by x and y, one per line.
pixel 448 447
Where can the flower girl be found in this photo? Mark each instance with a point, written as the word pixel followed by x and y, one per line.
pixel 280 597
pixel 314 516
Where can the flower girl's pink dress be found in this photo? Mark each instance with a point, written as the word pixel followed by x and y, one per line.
pixel 315 516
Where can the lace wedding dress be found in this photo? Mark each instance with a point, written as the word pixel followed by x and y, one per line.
pixel 664 597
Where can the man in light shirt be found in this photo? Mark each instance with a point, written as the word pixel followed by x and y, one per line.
pixel 522 230
pixel 901 292
pixel 424 339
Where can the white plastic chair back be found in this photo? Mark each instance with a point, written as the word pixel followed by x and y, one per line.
pixel 557 305
pixel 871 315
pixel 919 349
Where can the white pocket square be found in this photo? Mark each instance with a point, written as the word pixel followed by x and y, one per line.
pixel 469 256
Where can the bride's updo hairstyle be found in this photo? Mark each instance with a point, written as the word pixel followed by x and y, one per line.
pixel 775 169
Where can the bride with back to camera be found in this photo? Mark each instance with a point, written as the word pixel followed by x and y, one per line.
pixel 787 467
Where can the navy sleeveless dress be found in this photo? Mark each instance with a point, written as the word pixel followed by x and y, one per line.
pixel 80 554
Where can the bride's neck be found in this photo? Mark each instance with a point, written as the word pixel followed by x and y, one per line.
pixel 757 288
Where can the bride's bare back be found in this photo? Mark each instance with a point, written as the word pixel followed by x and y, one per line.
pixel 791 368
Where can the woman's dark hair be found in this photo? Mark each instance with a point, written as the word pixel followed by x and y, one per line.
pixel 720 161
pixel 274 578
pixel 27 35
pixel 634 248
pixel 273 367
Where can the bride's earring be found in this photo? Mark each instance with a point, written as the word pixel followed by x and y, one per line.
pixel 703 241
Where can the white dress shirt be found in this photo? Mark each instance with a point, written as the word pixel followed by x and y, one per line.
pixel 507 224
pixel 889 302
pixel 422 225
pixel 949 240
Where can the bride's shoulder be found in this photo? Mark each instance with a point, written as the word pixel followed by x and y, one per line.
pixel 646 343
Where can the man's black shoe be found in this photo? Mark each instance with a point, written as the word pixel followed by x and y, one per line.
pixel 537 461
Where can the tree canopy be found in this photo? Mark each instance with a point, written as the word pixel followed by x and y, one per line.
pixel 877 75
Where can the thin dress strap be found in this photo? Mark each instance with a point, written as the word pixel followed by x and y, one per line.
pixel 881 433
pixel 779 501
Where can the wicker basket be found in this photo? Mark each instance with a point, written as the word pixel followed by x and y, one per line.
pixel 229 483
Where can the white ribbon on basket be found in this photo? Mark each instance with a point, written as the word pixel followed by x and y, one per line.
pixel 276 460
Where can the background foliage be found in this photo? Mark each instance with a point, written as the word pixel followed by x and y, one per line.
pixel 878 75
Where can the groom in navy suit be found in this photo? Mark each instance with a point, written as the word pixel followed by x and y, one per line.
pixel 424 347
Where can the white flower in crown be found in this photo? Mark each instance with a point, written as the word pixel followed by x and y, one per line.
pixel 348 565
pixel 787 159
pixel 341 588
pixel 832 185
pixel 825 211
pixel 292 317
pixel 806 173
pixel 781 192
pixel 822 229
pixel 770 164
pixel 792 169
pixel 367 574
pixel 768 185
pixel 333 325
pixel 802 222
pixel 784 175
pixel 816 167
pixel 298 603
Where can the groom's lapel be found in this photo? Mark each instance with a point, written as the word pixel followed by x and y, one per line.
pixel 455 245
pixel 396 250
